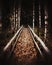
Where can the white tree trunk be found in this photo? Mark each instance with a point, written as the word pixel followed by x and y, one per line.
pixel 33 17
pixel 19 13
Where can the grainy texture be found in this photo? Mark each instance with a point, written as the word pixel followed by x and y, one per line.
pixel 25 51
